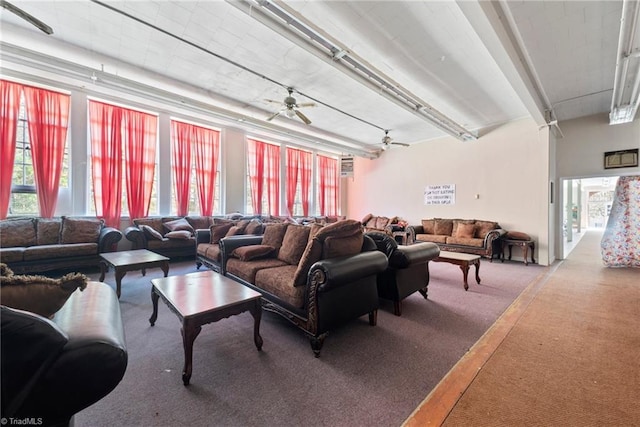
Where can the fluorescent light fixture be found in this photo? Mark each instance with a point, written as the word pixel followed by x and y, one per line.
pixel 623 114
pixel 626 86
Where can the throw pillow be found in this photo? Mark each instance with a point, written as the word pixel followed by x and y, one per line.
pixel 254 227
pixel 247 253
pixel 335 246
pixel 518 235
pixel 294 243
pixel 274 234
pixel 17 232
pixel 199 222
pixel 429 226
pixel 443 227
pixel 39 294
pixel 465 230
pixel 150 232
pixel 218 231
pixel 178 224
pixel 80 230
pixel 234 231
pixel 483 227
pixel 342 228
pixel 312 254
pixel 180 235
pixel 48 231
pixel 366 218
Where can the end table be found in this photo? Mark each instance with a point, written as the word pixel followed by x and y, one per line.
pixel 524 244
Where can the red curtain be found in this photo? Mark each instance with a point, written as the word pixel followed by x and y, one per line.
pixel 9 110
pixel 272 176
pixel 255 158
pixel 106 160
pixel 328 193
pixel 140 138
pixel 48 118
pixel 207 147
pixel 298 170
pixel 181 164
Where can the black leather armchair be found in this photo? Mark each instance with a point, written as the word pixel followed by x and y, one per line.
pixel 408 269
pixel 52 369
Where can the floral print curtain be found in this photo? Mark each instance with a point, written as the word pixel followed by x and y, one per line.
pixel 620 245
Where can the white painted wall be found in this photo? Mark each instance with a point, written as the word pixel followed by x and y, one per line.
pixel 508 168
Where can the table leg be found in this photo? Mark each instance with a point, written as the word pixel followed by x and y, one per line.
pixel 189 333
pixel 165 268
pixel 533 248
pixel 465 273
pixel 525 253
pixel 477 264
pixel 256 312
pixel 119 275
pixel 103 270
pixel 509 252
pixel 154 302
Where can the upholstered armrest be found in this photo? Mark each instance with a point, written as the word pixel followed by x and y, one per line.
pixel 411 229
pixel 228 244
pixel 330 273
pixel 203 236
pixel 404 256
pixel 493 235
pixel 135 235
pixel 109 237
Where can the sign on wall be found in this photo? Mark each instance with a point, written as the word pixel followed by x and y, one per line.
pixel 444 194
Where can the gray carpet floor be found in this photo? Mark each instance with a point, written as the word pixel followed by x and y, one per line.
pixel 364 376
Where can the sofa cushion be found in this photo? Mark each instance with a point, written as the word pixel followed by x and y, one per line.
pixel 443 226
pixel 435 238
pixel 80 230
pixel 178 234
pixel 279 282
pixel 366 218
pixel 187 244
pixel 294 243
pixel 39 294
pixel 12 254
pixel 518 235
pixel 155 223
pixel 44 252
pixel 48 231
pixel 312 254
pixel 218 231
pixel 343 228
pixel 178 225
pixel 382 222
pixel 209 250
pixel 246 270
pixel 274 234
pixel 478 243
pixel 254 227
pixel 249 252
pixel 234 231
pixel 150 233
pixel 199 222
pixel 337 246
pixel 465 230
pixel 17 232
pixel 483 227
pixel 429 226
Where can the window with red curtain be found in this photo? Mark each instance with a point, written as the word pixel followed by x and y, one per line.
pixel 328 183
pixel 48 115
pixel 298 181
pixel 123 144
pixel 203 145
pixel 10 98
pixel 263 162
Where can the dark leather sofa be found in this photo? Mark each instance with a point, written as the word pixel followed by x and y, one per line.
pixel 326 293
pixel 52 369
pixel 408 269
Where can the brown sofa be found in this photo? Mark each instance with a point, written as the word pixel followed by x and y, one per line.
pixel 471 236
pixel 35 245
pixel 395 227
pixel 317 277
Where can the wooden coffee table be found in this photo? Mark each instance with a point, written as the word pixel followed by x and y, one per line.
pixel 201 298
pixel 123 261
pixel 464 261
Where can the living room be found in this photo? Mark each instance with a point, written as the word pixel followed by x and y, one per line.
pixel 510 172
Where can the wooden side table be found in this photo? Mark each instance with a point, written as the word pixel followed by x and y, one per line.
pixel 524 244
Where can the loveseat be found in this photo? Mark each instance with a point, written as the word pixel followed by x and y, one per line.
pixel 393 226
pixel 318 277
pixel 29 245
pixel 54 368
pixel 470 236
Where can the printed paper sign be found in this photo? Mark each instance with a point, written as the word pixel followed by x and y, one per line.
pixel 444 194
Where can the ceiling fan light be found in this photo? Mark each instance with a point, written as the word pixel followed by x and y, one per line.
pixel 290 113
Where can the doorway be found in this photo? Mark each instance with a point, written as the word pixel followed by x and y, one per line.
pixel 586 205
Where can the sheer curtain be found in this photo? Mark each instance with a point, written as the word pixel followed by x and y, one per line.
pixel 306 159
pixel 48 118
pixel 272 176
pixel 10 94
pixel 207 148
pixel 328 192
pixel 255 158
pixel 293 171
pixel 620 245
pixel 106 160
pixel 181 164
pixel 140 141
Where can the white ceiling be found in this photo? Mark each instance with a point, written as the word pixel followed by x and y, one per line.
pixel 465 59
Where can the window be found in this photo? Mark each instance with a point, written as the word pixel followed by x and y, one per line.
pixel 24 200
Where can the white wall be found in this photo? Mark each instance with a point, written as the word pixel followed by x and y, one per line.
pixel 508 168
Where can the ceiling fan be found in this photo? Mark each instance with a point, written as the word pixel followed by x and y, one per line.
pixel 290 107
pixel 26 16
pixel 387 141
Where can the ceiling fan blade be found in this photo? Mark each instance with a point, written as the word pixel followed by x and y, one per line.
pixel 404 144
pixel 275 102
pixel 303 117
pixel 273 116
pixel 27 17
pixel 306 104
